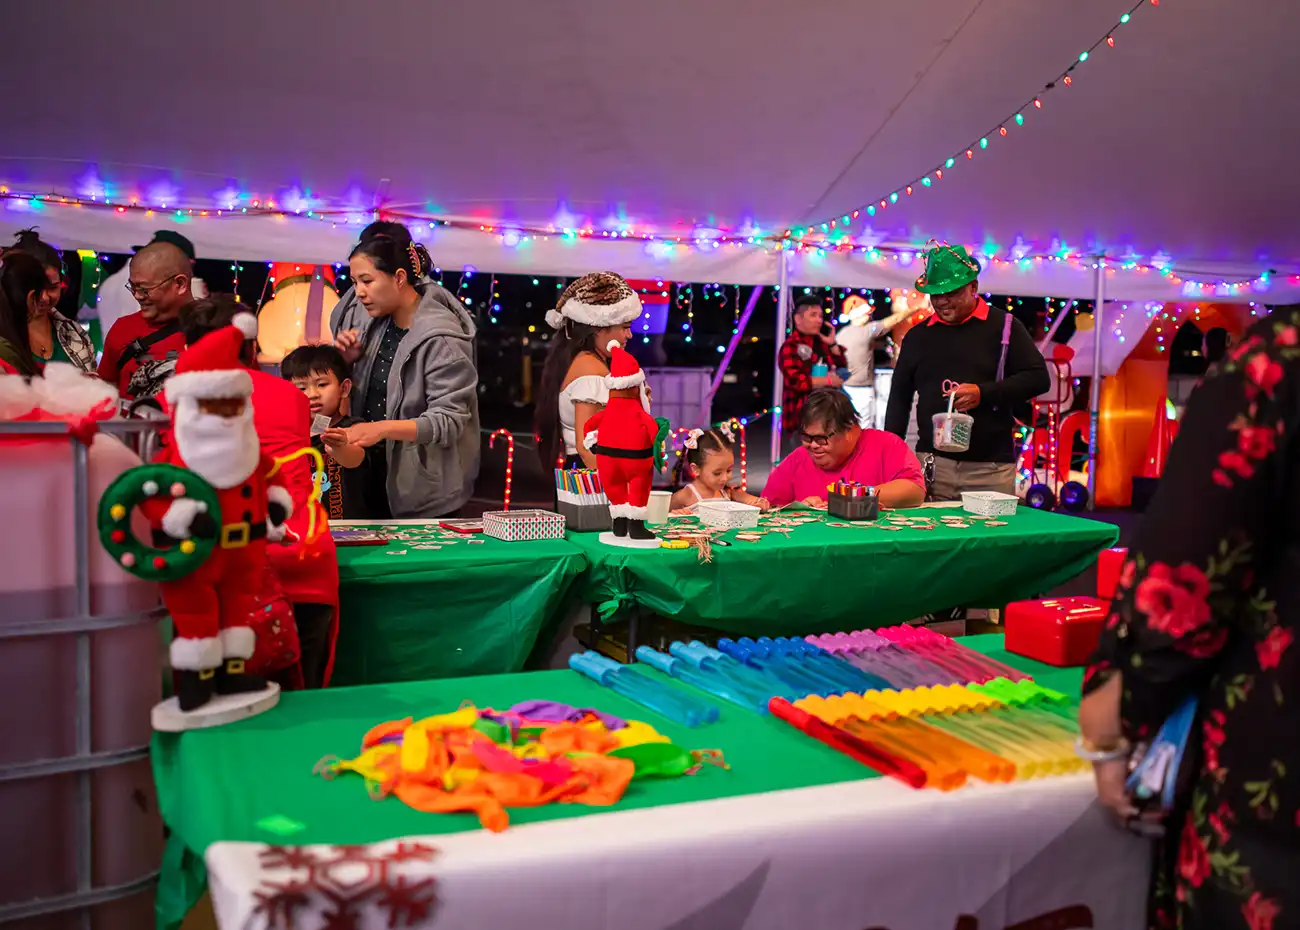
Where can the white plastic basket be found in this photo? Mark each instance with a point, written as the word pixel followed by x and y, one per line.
pixel 728 515
pixel 989 503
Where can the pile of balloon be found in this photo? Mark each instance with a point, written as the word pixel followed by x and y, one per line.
pixel 903 700
pixel 535 753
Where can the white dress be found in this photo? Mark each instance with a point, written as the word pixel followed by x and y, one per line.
pixel 589 389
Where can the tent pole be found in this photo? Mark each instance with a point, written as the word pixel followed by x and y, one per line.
pixel 735 341
pixel 1094 391
pixel 778 376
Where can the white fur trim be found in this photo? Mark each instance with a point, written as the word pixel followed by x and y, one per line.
pixel 601 315
pixel 554 320
pixel 238 642
pixel 246 323
pixel 178 519
pixel 617 510
pixel 612 345
pixel 279 494
pixel 590 439
pixel 191 655
pixel 626 381
pixel 635 513
pixel 219 384
pixel 274 531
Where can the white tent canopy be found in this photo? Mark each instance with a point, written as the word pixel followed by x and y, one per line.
pixel 739 118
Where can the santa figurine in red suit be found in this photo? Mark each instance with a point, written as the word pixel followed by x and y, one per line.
pixel 213 436
pixel 622 437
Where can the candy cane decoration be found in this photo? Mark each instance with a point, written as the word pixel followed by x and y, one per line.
pixel 744 471
pixel 510 458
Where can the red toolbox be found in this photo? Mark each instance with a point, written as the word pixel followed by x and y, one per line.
pixel 1060 631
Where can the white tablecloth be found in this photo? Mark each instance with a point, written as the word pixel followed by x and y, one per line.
pixel 869 855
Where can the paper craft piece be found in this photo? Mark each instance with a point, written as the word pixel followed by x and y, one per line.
pixel 319 424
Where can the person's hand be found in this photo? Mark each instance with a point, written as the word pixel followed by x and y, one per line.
pixel 1110 778
pixel 968 397
pixel 834 380
pixel 815 502
pixel 763 504
pixel 827 338
pixel 365 434
pixel 348 343
pixel 335 438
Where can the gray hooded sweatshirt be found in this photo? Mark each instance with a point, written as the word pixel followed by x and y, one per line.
pixel 433 381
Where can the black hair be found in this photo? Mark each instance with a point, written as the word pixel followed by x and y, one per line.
pixel 571 341
pixel 30 241
pixel 21 273
pixel 200 317
pixel 711 440
pixel 305 361
pixel 804 301
pixel 388 245
pixel 830 406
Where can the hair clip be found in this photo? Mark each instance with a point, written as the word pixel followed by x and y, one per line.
pixel 693 438
pixel 415 258
pixel 725 430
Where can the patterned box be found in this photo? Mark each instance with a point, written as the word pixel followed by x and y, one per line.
pixel 522 525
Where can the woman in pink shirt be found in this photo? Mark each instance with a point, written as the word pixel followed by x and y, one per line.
pixel 836 448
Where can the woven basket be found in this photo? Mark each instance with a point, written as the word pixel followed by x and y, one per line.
pixel 727 515
pixel 989 503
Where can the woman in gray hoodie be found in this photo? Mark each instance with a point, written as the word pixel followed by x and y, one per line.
pixel 414 376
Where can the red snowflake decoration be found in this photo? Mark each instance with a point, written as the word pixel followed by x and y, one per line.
pixel 340 882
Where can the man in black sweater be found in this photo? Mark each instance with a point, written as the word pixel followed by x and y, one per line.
pixel 985 357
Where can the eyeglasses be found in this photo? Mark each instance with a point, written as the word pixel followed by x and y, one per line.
pixel 808 439
pixel 140 291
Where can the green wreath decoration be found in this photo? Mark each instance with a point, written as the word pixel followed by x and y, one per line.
pixel 132 488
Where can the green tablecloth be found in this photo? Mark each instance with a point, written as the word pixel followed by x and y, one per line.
pixel 822 579
pixel 464 609
pixel 253 780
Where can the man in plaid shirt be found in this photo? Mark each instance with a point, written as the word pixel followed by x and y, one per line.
pixel 811 343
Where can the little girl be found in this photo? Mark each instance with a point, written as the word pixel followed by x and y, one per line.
pixel 704 471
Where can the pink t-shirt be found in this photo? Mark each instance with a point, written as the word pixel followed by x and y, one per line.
pixel 879 457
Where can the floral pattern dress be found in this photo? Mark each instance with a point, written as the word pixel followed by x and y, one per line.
pixel 1209 603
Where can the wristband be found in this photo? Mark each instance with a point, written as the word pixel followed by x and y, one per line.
pixel 1120 751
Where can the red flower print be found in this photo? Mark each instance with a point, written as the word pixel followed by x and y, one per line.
pixel 1232 460
pixel 1127 574
pixel 1263 372
pixel 1193 862
pixel 1174 599
pixel 1219 830
pixel 1203 644
pixel 1287 336
pixel 1255 442
pixel 1259 912
pixel 1272 646
pixel 1212 739
pixel 1221 479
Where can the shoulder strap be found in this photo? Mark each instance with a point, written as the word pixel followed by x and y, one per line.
pixel 137 347
pixel 1006 342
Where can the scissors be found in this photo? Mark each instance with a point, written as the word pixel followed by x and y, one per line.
pixel 949 387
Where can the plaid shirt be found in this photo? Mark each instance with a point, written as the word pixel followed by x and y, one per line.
pixel 74 341
pixel 799 353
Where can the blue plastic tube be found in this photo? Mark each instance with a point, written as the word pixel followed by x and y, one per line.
pixel 656 696
pixel 710 683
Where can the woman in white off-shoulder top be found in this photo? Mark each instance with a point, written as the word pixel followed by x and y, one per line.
pixel 592 311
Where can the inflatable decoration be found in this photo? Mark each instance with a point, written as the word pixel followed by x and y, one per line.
pixel 298 312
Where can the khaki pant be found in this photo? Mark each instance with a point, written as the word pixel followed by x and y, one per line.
pixel 952 477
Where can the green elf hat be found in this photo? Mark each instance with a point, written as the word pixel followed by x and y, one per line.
pixel 947 267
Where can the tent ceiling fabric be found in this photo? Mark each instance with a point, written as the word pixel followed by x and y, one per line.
pixel 679 114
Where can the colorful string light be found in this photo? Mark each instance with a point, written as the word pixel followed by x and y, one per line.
pixel 510 459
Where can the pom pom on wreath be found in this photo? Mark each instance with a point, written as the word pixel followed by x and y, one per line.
pixel 246 323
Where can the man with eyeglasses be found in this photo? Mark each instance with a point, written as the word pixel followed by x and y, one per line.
pixel 141 349
pixel 834 447
pixel 984 358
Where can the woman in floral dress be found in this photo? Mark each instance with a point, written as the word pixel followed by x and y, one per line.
pixel 1208 605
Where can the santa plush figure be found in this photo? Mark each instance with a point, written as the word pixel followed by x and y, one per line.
pixel 622 436
pixel 213 436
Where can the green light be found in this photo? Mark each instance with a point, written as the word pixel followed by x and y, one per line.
pixel 926 181
pixel 1125 18
pixel 871 211
pixel 847 219
pixel 893 198
pixel 1020 120
pixel 949 163
pixel 984 143
pixel 1083 57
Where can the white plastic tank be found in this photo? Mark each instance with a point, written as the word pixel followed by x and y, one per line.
pixel 40 816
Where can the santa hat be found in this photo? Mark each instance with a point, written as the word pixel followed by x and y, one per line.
pixel 624 372
pixel 856 309
pixel 599 299
pixel 211 368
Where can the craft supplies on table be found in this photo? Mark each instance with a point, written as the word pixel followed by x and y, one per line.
pixel 989 503
pixel 731 515
pixel 751 696
pixel 677 705
pixel 521 525
pixel 850 500
pixel 1058 631
pixel 536 753
pixel 580 499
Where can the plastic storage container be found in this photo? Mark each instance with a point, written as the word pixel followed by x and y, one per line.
pixel 728 515
pixel 989 503
pixel 41 803
pixel 865 508
pixel 1059 631
pixel 584 518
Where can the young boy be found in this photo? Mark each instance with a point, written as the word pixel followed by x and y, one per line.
pixel 321 373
